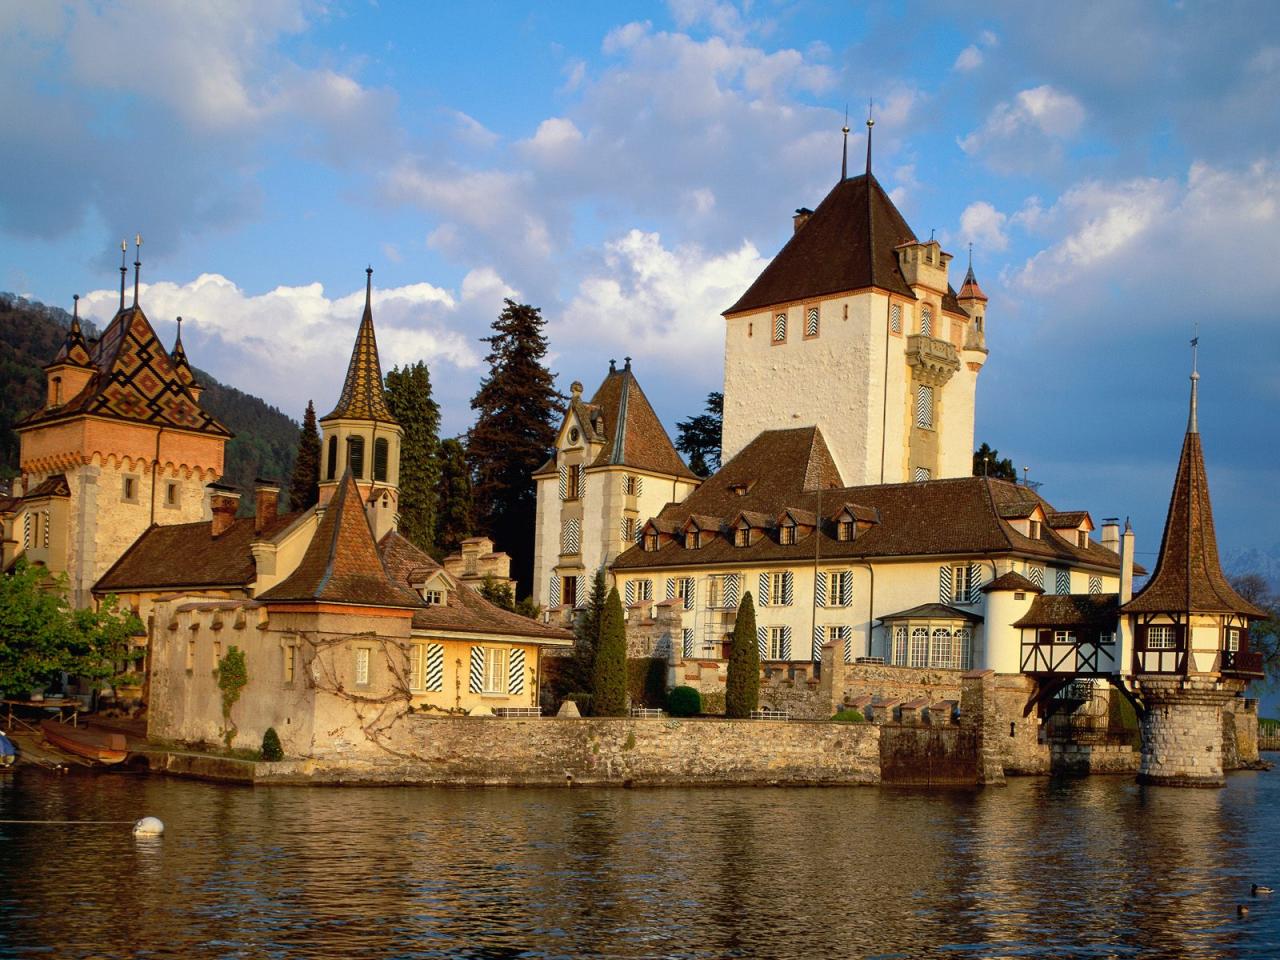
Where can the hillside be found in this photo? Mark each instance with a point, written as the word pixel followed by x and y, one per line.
pixel 30 333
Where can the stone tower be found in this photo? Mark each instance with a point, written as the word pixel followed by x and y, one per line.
pixel 855 328
pixel 1191 635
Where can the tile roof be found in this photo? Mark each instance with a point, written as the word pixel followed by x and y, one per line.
pixel 970 289
pixel 1189 577
pixel 1067 519
pixel 75 349
pixel 849 243
pixel 362 394
pixel 342 563
pixel 54 485
pixel 959 516
pixel 180 363
pixel 466 610
pixel 1072 610
pixel 933 611
pixel 1012 581
pixel 621 414
pixel 135 379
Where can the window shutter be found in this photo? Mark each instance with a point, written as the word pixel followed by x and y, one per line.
pixel 846 587
pixel 690 591
pixel 762 642
pixel 975 582
pixel 671 588
pixel 623 532
pixel 787 583
pixel 847 634
pixel 895 318
pixel 818 633
pixel 732 586
pixel 1062 582
pixel 926 322
pixel 435 668
pixel 564 483
pixel 639 484
pixel 515 675
pixel 477 670
pixel 686 642
pixel 763 597
pixel 944 584
pixel 811 322
pixel 786 643
pixel 924 406
pixel 1095 585
pixel 820 589
pixel 629 591
pixel 580 592
pixel 555 591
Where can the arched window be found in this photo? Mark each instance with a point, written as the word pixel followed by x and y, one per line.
pixel 920 647
pixel 332 470
pixel 355 456
pixel 380 456
pixel 940 655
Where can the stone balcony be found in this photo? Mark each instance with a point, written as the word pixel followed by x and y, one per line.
pixel 934 361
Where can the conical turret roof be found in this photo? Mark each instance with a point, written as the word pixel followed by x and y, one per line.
pixel 180 364
pixel 74 349
pixel 970 290
pixel 362 392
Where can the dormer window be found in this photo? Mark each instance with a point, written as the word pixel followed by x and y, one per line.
pixel 433 598
pixel 742 536
pixel 693 539
pixel 651 542
pixel 1035 530
pixel 740 489
pixel 1082 539
pixel 787 534
pixel 845 529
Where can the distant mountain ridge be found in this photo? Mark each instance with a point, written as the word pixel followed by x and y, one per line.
pixel 1264 561
pixel 30 333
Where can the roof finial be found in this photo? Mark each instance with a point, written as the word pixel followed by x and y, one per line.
pixel 870 123
pixel 971 256
pixel 75 310
pixel 137 265
pixel 1192 424
pixel 177 343
pixel 626 361
pixel 124 270
pixel 368 287
pixel 613 365
pixel 844 156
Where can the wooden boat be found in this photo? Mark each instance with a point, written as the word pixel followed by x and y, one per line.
pixel 100 745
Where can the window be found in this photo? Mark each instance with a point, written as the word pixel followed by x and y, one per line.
pixel 574 434
pixel 417 664
pixel 171 493
pixel 651 542
pixel 1064 636
pixel 845 530
pixel 129 490
pixel 57 391
pixel 574 478
pixel 1233 639
pixel 1162 638
pixel 570 592
pixel 926 321
pixel 962 584
pixel 787 534
pixel 742 536
pixel 811 322
pixel 433 598
pixel 355 456
pixel 496 672
pixel 777 590
pixel 644 589
pixel 715 592
pixel 840 593
pixel 898 652
pixel 777 643
pixel 780 328
pixel 1082 539
pixel 686 591
pixel 628 529
pixel 1107 638
pixel 332 469
pixel 920 647
pixel 630 485
pixel 963 647
pixel 924 406
pixel 1034 526
pixel 191 654
pixel 841 639
pixel 362 667
pixel 217 652
pixel 290 654
pixel 940 656
pixel 895 318
pixel 381 455
pixel 921 474
pixel 693 540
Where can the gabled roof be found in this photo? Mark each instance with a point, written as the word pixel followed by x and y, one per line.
pixel 633 435
pixel 849 243
pixel 342 564
pixel 1072 610
pixel 1012 581
pixel 135 380
pixel 362 394
pixel 54 485
pixel 1068 519
pixel 1189 577
pixel 933 611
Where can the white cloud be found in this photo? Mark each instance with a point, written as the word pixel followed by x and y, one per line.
pixel 983 224
pixel 556 142
pixel 970 58
pixel 1023 133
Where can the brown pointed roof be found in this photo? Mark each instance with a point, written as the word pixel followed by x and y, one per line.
pixel 633 434
pixel 342 564
pixel 74 349
pixel 136 380
pixel 180 364
pixel 970 290
pixel 362 394
pixel 1189 577
pixel 849 243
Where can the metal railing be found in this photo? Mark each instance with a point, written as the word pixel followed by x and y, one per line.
pixel 770 715
pixel 511 713
pixel 647 713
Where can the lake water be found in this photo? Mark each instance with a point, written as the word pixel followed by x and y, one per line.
pixel 1082 868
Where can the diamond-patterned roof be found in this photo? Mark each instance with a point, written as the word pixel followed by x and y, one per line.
pixel 362 392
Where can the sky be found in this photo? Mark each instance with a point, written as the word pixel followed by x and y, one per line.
pixel 630 169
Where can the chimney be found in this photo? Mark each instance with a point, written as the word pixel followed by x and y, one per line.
pixel 266 504
pixel 224 501
pixel 1126 564
pixel 800 219
pixel 1111 534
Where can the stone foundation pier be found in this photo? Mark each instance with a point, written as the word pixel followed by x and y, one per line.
pixel 1182 730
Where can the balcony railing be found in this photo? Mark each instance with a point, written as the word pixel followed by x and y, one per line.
pixel 1242 662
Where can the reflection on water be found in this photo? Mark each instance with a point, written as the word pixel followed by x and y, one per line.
pixel 1089 868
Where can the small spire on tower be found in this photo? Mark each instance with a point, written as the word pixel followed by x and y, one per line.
pixel 368 287
pixel 1193 425
pixel 137 265
pixel 870 123
pixel 124 270
pixel 75 313
pixel 844 156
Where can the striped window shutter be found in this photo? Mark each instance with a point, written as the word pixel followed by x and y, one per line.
pixel 1095 585
pixel 762 642
pixel 690 592
pixel 639 482
pixel 435 668
pixel 811 322
pixel 846 633
pixel 477 670
pixel 944 584
pixel 624 531
pixel 581 592
pixel 671 588
pixel 846 587
pixel 762 599
pixel 820 589
pixel 26 529
pixel 788 582
pixel 732 587
pixel 555 591
pixel 564 482
pixel 975 582
pixel 921 474
pixel 1035 574
pixel 895 318
pixel 686 642
pixel 924 405
pixel 786 643
pixel 780 327
pixel 639 531
pixel 515 674
pixel 926 322
pixel 629 591
pixel 1062 582
pixel 818 634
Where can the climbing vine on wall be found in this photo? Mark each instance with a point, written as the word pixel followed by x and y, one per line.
pixel 232 677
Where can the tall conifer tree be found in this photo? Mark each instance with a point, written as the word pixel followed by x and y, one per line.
pixel 454 520
pixel 742 685
pixel 517 408
pixel 609 672
pixel 410 400
pixel 304 485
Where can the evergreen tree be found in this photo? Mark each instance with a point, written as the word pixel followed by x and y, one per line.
pixel 498 592
pixel 454 517
pixel 698 438
pixel 517 409
pixel 586 635
pixel 409 397
pixel 609 673
pixel 742 685
pixel 987 463
pixel 304 486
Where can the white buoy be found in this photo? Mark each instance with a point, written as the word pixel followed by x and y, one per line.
pixel 148 827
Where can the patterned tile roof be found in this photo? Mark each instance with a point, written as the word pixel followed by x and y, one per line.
pixel 54 485
pixel 362 392
pixel 75 349
pixel 135 380
pixel 180 364
pixel 1072 610
pixel 633 434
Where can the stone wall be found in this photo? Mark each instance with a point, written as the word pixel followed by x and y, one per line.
pixel 1023 749
pixel 1182 730
pixel 1079 759
pixel 1240 734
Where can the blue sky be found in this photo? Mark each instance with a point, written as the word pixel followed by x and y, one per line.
pixel 630 169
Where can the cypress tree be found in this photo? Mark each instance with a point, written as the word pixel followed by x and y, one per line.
pixel 517 411
pixel 609 674
pixel 586 634
pixel 409 397
pixel 304 485
pixel 742 685
pixel 454 518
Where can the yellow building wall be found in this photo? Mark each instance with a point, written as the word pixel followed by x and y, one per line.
pixel 455 694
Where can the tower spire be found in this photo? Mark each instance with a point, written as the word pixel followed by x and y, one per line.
pixel 124 270
pixel 844 156
pixel 870 123
pixel 137 265
pixel 1192 424
pixel 368 288
pixel 75 313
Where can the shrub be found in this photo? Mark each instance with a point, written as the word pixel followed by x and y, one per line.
pixel 271 749
pixel 647 681
pixel 684 702
pixel 849 716
pixel 742 686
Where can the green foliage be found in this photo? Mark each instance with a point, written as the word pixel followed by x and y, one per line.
pixel 517 411
pixel 1122 719
pixel 580 664
pixel 455 519
pixel 271 749
pixel 698 438
pixel 498 592
pixel 265 440
pixel 647 681
pixel 742 685
pixel 42 637
pixel 1268 726
pixel 410 400
pixel 850 716
pixel 1264 635
pixel 609 672
pixel 583 700
pixel 994 467
pixel 304 486
pixel 232 677
pixel 684 702
pixel 528 607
